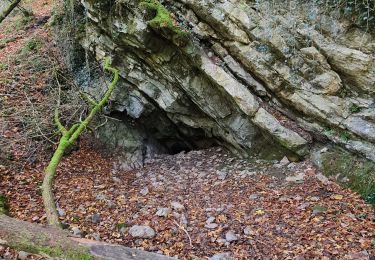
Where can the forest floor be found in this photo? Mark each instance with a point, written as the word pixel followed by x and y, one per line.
pixel 189 205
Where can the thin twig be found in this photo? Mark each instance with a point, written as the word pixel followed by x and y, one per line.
pixel 183 229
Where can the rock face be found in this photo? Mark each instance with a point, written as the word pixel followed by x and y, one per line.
pixel 254 77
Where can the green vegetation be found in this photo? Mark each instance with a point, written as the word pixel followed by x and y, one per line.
pixel 4 42
pixel 3 205
pixel 352 172
pixel 164 23
pixel 354 108
pixel 3 66
pixel 120 226
pixel 329 132
pixel 68 138
pixel 163 18
pixel 360 12
pixel 30 247
pixel 23 21
pixel 33 44
pixel 345 136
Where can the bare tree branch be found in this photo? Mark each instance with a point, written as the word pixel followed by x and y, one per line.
pixel 68 138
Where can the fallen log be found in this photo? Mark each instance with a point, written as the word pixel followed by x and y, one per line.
pixel 54 242
pixel 9 9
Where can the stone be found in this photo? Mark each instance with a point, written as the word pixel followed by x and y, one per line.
pixel 141 232
pixel 285 136
pixel 96 236
pixel 77 231
pixel 101 197
pixel 95 218
pixel 285 161
pixel 144 191
pixel 177 205
pixel 221 256
pixel 211 225
pixel 61 212
pixel 317 209
pixel 248 231
pixel 163 212
pixel 230 236
pixel 22 255
pixel 110 204
pixel 253 197
pixel 297 178
pixel 221 175
pixel 210 220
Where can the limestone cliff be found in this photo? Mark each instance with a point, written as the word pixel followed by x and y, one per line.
pixel 250 75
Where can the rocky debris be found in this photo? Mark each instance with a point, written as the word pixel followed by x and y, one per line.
pixel 61 212
pixel 317 209
pixel 144 191
pixel 177 206
pixel 211 225
pixel 96 236
pixel 210 220
pixel 248 231
pixel 230 236
pixel 163 212
pixel 297 178
pixel 285 161
pixel 77 231
pixel 101 197
pixel 213 207
pixel 22 255
pixel 222 256
pixel 221 175
pixel 141 231
pixel 95 218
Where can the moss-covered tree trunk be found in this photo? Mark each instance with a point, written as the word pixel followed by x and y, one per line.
pixel 68 138
pixel 58 243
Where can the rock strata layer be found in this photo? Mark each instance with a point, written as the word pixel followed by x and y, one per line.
pixel 254 77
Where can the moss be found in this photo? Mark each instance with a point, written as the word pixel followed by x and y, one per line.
pixel 164 22
pixel 352 172
pixel 3 205
pixel 354 108
pixel 163 18
pixel 28 245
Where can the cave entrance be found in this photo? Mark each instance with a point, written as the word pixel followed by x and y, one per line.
pixel 175 146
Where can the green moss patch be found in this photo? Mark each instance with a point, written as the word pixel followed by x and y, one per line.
pixel 351 171
pixel 164 23
pixel 3 205
pixel 30 247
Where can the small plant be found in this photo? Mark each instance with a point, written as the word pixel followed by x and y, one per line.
pixel 164 22
pixel 32 44
pixel 3 205
pixel 362 216
pixel 329 132
pixel 23 21
pixel 4 42
pixel 354 108
pixel 3 66
pixel 120 226
pixel 345 136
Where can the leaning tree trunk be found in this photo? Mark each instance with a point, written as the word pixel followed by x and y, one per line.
pixel 68 138
pixel 53 242
pixel 9 9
